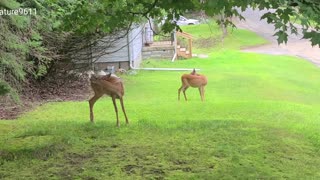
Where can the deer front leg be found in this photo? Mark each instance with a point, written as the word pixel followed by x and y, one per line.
pixel 183 89
pixel 92 101
pixel 184 92
pixel 116 110
pixel 124 111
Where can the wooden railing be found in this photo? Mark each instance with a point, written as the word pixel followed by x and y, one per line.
pixel 182 52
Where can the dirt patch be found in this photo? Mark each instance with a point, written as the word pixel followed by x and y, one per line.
pixel 55 89
pixel 78 159
pixel 9 110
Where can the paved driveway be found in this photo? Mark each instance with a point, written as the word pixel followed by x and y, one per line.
pixel 295 45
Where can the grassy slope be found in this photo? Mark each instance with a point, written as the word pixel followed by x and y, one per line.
pixel 260 120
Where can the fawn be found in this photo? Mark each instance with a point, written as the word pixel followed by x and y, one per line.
pixel 194 80
pixel 110 85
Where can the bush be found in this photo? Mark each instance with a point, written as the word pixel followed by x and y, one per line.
pixel 4 88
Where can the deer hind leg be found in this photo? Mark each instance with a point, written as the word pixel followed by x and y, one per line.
pixel 179 91
pixel 92 101
pixel 124 111
pixel 201 90
pixel 116 110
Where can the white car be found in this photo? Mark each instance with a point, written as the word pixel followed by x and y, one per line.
pixel 184 21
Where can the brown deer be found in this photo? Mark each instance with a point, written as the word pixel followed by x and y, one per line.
pixel 110 85
pixel 194 80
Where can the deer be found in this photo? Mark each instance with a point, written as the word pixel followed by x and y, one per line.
pixel 109 85
pixel 194 80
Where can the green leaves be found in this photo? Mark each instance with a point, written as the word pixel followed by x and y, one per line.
pixel 282 17
pixel 285 15
pixel 9 4
pixel 282 37
pixel 107 16
pixel 313 36
pixel 279 23
pixel 4 88
pixel 271 17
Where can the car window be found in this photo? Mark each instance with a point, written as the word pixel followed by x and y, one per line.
pixel 182 18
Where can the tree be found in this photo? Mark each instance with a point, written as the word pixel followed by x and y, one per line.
pixel 13 49
pixel 24 49
pixel 108 16
pixel 4 88
pixel 32 46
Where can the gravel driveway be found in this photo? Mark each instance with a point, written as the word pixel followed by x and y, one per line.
pixel 295 45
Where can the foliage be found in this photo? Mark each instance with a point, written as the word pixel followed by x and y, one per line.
pixel 90 17
pixel 22 49
pixel 13 49
pixel 304 10
pixel 4 88
pixel 42 44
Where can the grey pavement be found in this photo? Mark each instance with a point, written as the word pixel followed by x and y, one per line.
pixel 295 45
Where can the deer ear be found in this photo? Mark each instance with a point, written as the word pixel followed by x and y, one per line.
pixel 108 75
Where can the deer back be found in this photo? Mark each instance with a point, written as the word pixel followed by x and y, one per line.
pixel 194 80
pixel 108 84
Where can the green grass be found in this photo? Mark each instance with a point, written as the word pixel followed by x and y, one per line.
pixel 260 120
pixel 207 38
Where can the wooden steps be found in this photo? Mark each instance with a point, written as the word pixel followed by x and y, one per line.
pixel 182 51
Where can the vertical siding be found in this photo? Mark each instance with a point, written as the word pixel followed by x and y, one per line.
pixel 128 52
pixel 121 53
pixel 135 45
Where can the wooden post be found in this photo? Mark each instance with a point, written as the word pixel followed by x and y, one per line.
pixel 189 37
pixel 190 47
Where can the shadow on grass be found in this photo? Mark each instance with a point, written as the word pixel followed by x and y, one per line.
pixel 42 140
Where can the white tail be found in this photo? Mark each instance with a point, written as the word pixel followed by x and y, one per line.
pixel 110 85
pixel 194 80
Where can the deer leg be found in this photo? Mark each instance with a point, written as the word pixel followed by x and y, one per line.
pixel 91 104
pixel 201 90
pixel 184 92
pixel 116 110
pixel 179 91
pixel 124 111
pixel 183 88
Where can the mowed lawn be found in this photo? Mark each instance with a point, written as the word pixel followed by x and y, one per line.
pixel 260 120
